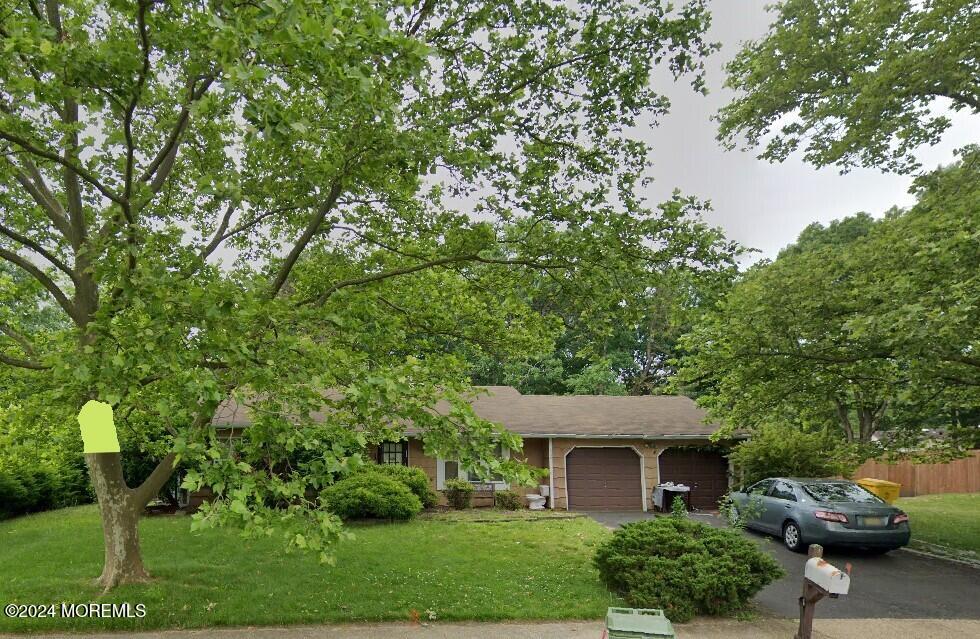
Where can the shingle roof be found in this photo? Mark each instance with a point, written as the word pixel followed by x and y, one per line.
pixel 649 416
pixel 593 415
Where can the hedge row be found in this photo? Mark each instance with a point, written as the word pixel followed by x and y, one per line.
pixel 30 490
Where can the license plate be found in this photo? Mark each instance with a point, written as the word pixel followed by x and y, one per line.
pixel 875 521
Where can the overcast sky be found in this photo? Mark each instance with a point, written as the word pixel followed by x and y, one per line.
pixel 759 204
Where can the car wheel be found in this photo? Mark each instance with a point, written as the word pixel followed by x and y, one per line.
pixel 792 537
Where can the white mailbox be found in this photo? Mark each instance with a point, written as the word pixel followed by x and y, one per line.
pixel 824 575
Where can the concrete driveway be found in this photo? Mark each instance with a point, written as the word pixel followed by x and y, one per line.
pixel 899 585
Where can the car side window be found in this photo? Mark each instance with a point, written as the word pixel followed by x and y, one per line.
pixel 783 490
pixel 760 488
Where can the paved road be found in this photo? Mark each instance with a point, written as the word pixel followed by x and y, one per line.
pixel 698 629
pixel 899 585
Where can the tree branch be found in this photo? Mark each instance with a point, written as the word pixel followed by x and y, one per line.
pixel 35 9
pixel 33 183
pixel 37 248
pixel 22 363
pixel 158 170
pixel 377 242
pixel 442 261
pixel 25 343
pixel 367 279
pixel 219 233
pixel 419 20
pixel 963 98
pixel 131 109
pixel 845 420
pixel 311 229
pixel 151 485
pixel 54 157
pixel 45 281
pixel 963 359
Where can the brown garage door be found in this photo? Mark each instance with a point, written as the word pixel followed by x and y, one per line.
pixel 706 472
pixel 603 479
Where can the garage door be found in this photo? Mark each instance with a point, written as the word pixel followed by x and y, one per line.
pixel 603 479
pixel 706 472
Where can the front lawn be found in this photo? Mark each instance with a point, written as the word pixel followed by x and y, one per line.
pixel 443 570
pixel 951 520
pixel 485 515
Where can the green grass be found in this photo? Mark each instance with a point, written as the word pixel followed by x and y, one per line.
pixel 951 520
pixel 457 570
pixel 495 515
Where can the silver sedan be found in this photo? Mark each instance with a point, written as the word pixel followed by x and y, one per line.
pixel 831 512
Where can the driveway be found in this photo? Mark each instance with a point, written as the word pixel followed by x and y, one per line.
pixel 899 585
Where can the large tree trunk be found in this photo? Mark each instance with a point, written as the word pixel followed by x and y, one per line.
pixel 121 507
pixel 120 522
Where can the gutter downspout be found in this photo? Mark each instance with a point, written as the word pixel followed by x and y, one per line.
pixel 551 477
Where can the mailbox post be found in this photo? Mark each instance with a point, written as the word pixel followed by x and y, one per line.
pixel 820 579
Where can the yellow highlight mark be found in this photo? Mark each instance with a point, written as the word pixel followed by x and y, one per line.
pixel 98 429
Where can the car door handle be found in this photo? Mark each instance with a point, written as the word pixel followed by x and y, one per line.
pixel 786 506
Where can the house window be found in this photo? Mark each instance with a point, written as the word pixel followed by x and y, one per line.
pixel 450 469
pixel 498 452
pixel 393 453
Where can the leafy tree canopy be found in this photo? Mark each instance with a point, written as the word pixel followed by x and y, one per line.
pixel 784 451
pixel 855 82
pixel 376 179
pixel 618 349
pixel 864 325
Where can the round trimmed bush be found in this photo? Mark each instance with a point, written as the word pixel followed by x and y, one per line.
pixel 684 567
pixel 509 500
pixel 413 477
pixel 371 496
pixel 459 493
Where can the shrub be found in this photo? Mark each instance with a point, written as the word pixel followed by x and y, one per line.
pixel 25 489
pixel 784 451
pixel 678 507
pixel 509 500
pixel 14 497
pixel 684 567
pixel 371 496
pixel 413 477
pixel 459 493
pixel 40 486
pixel 74 486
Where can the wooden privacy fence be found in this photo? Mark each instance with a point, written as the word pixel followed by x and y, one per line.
pixel 960 476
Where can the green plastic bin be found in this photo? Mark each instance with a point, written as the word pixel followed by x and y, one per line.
pixel 638 623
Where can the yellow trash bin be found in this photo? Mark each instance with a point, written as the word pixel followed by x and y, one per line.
pixel 887 490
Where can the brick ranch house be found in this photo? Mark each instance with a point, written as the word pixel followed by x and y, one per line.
pixel 601 452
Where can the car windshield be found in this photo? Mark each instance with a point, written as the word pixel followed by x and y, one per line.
pixel 841 491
